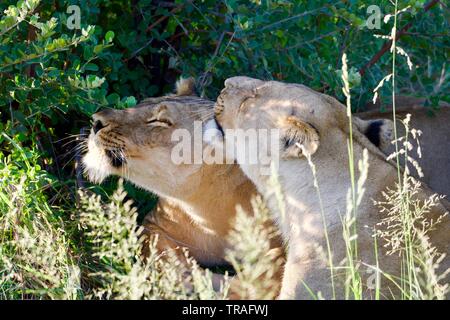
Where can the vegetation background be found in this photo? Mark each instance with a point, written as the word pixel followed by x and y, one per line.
pixel 53 78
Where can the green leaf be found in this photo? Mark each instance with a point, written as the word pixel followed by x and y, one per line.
pixel 113 99
pixel 109 36
pixel 130 102
pixel 98 48
pixel 91 67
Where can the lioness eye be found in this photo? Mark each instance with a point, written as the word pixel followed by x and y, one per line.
pixel 159 122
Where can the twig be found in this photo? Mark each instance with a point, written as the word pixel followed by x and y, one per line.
pixel 201 13
pixel 312 40
pixel 343 46
pixel 300 69
pixel 418 34
pixel 11 111
pixel 203 79
pixel 139 50
pixel 387 45
pixel 30 58
pixel 166 4
pixel 19 20
pixel 161 19
pixel 58 170
pixel 219 42
pixel 292 18
pixel 42 151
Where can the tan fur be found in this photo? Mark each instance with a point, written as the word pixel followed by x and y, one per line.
pixel 185 87
pixel 197 202
pixel 248 103
pixel 434 142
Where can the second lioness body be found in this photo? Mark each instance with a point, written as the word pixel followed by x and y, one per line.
pixel 315 125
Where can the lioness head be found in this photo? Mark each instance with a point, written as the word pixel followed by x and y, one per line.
pixel 137 144
pixel 301 114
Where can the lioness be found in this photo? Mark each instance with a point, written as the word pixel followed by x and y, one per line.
pixel 315 124
pixel 197 202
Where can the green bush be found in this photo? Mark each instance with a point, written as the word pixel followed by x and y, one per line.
pixel 52 77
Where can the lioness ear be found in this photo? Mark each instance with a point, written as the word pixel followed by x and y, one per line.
pixel 298 137
pixel 185 87
pixel 379 131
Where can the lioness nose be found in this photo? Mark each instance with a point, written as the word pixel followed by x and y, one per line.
pixel 98 125
pixel 102 119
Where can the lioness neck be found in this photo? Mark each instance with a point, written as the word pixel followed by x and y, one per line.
pixel 332 175
pixel 218 190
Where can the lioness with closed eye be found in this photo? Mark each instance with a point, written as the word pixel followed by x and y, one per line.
pixel 196 206
pixel 198 202
pixel 315 125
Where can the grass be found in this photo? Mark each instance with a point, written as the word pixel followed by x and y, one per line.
pixel 121 271
pixel 252 258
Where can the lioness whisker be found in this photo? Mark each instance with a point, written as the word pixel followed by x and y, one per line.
pixel 78 135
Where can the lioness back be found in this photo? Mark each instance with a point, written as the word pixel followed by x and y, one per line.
pixel 434 142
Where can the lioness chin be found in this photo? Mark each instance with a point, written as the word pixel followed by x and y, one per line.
pixel 314 124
